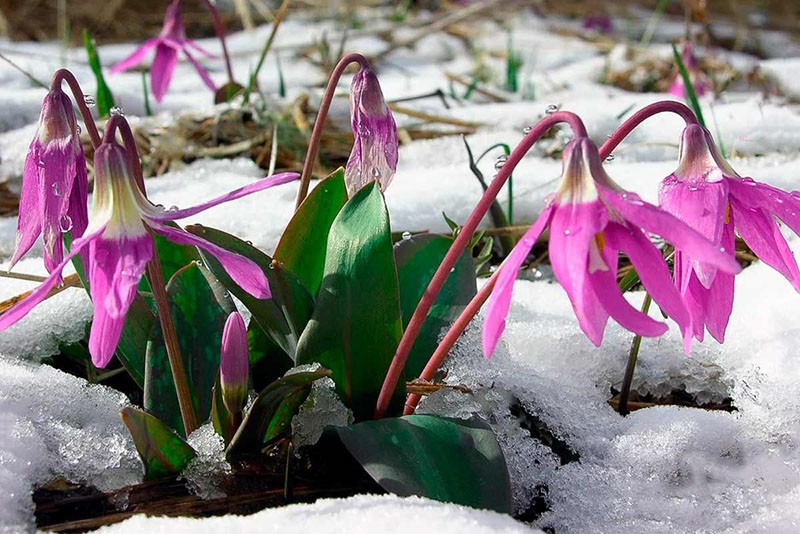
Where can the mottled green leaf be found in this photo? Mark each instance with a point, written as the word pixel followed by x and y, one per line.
pixel 162 451
pixel 356 324
pixel 303 244
pixel 450 460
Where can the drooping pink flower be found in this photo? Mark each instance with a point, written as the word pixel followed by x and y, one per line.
pixel 170 41
pixel 708 195
pixel 374 154
pixel 234 365
pixel 120 244
pixel 591 220
pixel 54 198
pixel 701 83
pixel 598 23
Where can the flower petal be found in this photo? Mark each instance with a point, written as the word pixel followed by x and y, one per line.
pixel 702 206
pixel 116 266
pixel 135 58
pixel 259 185
pixel 605 287
pixel 243 271
pixel 200 70
pixel 500 299
pixel 761 233
pixel 719 303
pixel 653 272
pixel 162 69
pixel 29 223
pixel 22 308
pixel 658 221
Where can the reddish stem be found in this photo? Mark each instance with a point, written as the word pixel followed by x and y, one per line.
pixel 668 106
pixel 156 276
pixel 64 75
pixel 316 133
pixel 220 31
pixel 450 339
pixel 458 246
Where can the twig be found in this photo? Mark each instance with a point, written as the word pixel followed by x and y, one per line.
pixel 70 281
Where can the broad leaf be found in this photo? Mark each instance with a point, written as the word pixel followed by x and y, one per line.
pixel 222 419
pixel 283 316
pixel 356 324
pixel 199 307
pixel 450 460
pixel 268 361
pixel 303 244
pixel 162 451
pixel 417 260
pixel 271 415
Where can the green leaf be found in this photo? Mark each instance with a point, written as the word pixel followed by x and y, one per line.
pixel 284 316
pixel 161 450
pixel 199 307
pixel 417 260
pixel 303 245
pixel 268 361
pixel 356 325
pixel 271 414
pixel 450 460
pixel 104 98
pixel 691 95
pixel 222 419
pixel 173 257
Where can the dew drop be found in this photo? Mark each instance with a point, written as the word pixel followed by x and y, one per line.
pixel 406 236
pixel 173 209
pixel 610 158
pixel 40 162
pixel 722 249
pixel 527 130
pixel 500 161
pixel 199 263
pixel 376 173
pixel 78 129
pixel 749 181
pixel 567 232
pixel 101 257
pixel 56 189
pixel 249 243
pixel 452 269
pixel 66 223
pixel 552 108
pixel 116 110
pixel 363 130
pixel 89 100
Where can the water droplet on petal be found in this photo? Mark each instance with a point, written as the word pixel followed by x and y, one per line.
pixel 116 110
pixel 78 129
pixel 722 249
pixel 552 108
pixel 527 130
pixel 610 158
pixel 500 161
pixel 567 232
pixel 66 223
pixel 363 130
pixel 376 173
pixel 56 189
pixel 40 162
pixel 749 181
pixel 89 100
pixel 406 236
pixel 173 209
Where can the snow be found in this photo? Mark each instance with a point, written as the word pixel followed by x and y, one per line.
pixel 357 515
pixel 665 469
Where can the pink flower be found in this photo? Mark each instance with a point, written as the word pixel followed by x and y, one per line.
pixel 170 41
pixel 53 199
pixel 708 195
pixel 374 154
pixel 700 81
pixel 591 220
pixel 234 365
pixel 120 244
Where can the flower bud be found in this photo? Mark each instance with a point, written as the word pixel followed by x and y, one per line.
pixel 234 363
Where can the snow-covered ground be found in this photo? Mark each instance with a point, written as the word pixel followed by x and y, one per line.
pixel 664 469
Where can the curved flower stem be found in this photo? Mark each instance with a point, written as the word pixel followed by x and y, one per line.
pixel 220 31
pixel 668 106
pixel 316 133
pixel 156 277
pixel 64 75
pixel 455 331
pixel 458 246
